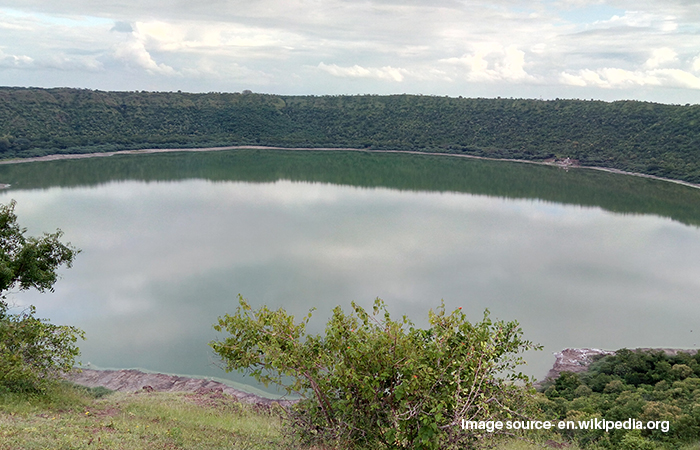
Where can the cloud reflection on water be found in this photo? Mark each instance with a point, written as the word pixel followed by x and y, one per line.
pixel 162 260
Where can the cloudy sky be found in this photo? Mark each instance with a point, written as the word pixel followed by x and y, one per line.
pixel 603 49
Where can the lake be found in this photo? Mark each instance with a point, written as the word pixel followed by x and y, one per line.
pixel 581 258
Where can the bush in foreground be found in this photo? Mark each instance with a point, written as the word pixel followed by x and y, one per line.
pixel 374 382
pixel 34 351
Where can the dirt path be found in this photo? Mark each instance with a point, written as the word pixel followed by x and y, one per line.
pixel 563 163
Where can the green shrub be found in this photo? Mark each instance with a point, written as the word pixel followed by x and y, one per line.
pixel 32 350
pixel 634 441
pixel 374 382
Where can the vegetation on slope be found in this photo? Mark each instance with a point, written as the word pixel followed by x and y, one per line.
pixel 644 385
pixel 656 139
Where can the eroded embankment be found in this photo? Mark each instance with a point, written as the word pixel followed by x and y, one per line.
pixel 129 380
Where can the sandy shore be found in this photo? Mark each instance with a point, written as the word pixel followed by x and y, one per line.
pixel 564 164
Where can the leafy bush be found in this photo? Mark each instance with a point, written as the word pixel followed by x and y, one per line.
pixel 32 351
pixel 372 381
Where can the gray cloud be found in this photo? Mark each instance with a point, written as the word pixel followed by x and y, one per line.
pixel 122 27
pixel 381 46
pixel 15 61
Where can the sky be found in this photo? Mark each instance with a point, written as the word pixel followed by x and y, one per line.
pixel 589 49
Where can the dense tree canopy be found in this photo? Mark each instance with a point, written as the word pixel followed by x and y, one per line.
pixel 656 139
pixel 644 385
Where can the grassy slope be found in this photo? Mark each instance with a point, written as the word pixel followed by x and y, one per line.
pixel 71 418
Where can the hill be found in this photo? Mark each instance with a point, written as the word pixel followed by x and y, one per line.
pixel 651 138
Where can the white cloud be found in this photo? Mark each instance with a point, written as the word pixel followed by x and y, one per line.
pixel 73 62
pixel 696 64
pixel 134 52
pixel 631 19
pixel 678 78
pixel 217 39
pixel 384 73
pixel 58 61
pixel 513 64
pixel 493 62
pixel 660 57
pixel 611 78
pixel 14 61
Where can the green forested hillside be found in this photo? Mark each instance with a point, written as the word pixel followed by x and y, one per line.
pixel 657 139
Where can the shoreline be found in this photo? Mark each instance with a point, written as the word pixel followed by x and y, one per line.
pixel 565 164
pixel 575 360
pixel 136 381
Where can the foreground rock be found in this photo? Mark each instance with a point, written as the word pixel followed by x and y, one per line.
pixel 137 381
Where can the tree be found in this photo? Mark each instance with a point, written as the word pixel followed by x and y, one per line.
pixel 32 351
pixel 372 381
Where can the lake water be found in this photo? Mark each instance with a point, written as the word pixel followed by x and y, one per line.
pixel 579 258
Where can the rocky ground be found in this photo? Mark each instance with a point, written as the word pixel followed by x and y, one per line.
pixel 574 360
pixel 578 359
pixel 134 381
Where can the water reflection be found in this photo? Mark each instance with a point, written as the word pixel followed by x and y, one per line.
pixel 161 260
pixel 583 187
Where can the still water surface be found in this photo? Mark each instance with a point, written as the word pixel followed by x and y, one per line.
pixel 166 248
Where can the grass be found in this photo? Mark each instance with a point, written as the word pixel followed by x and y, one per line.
pixel 74 418
pixel 70 417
